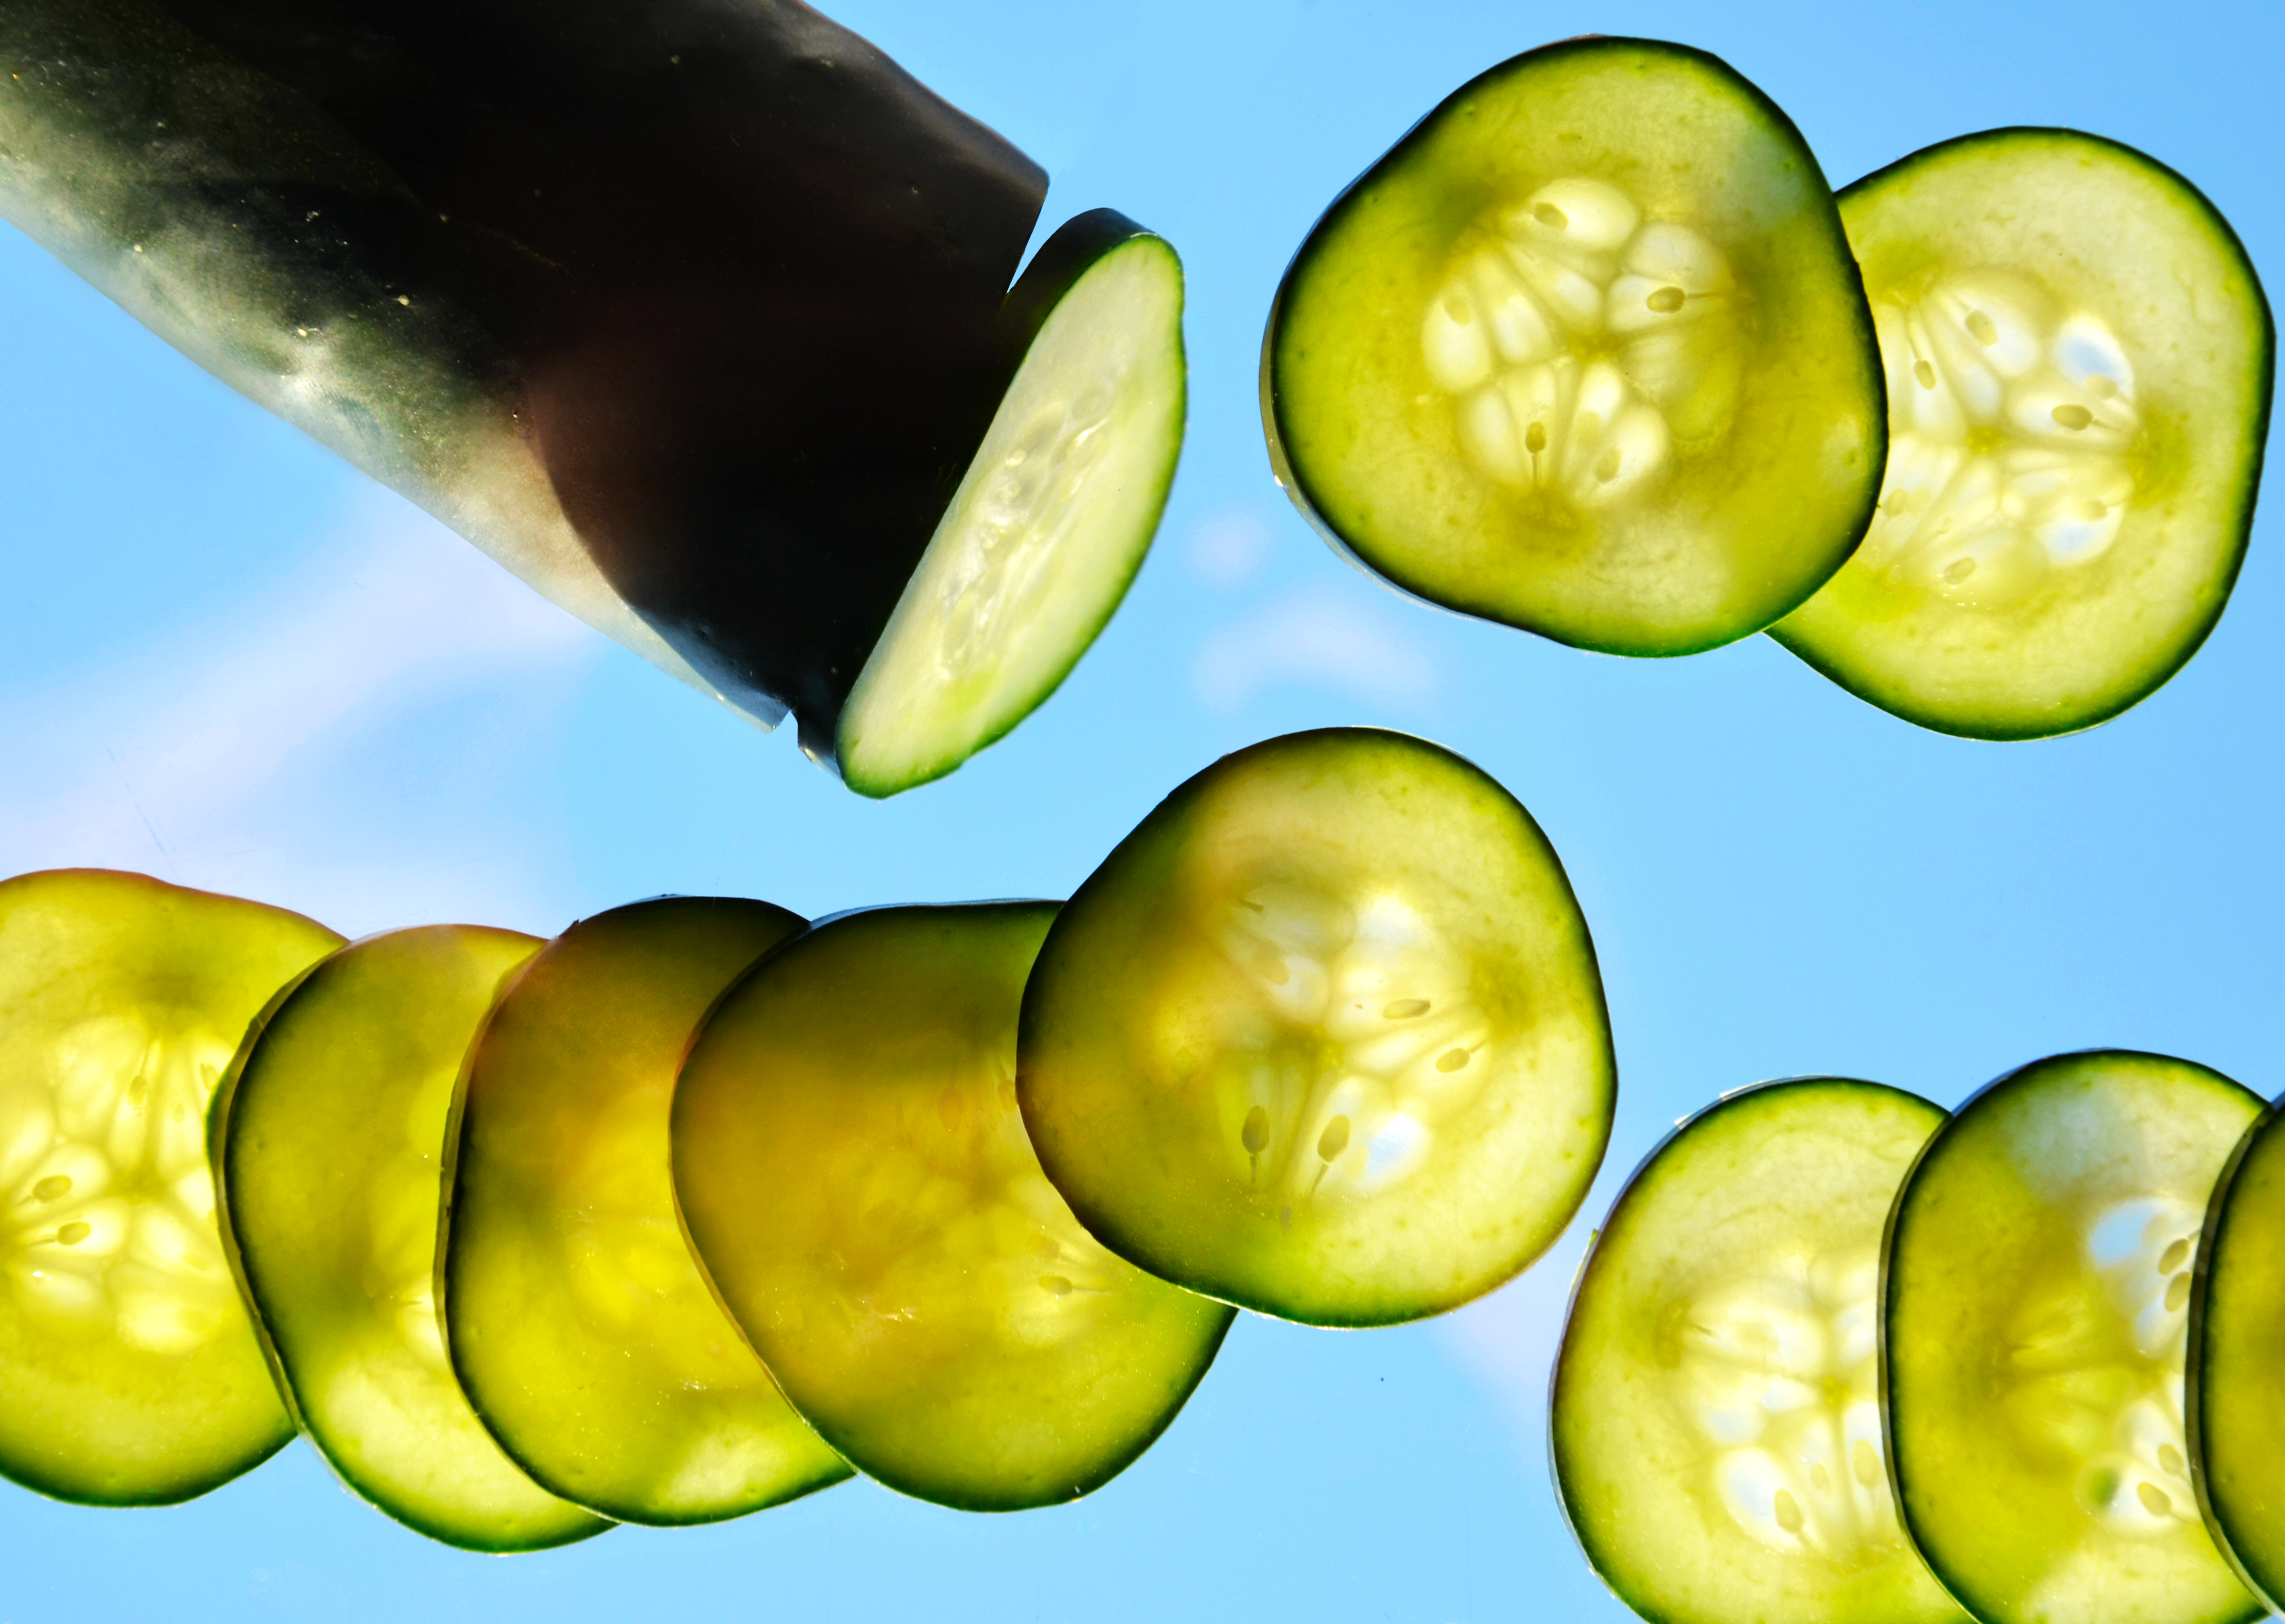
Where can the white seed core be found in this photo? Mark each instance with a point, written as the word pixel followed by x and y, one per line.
pixel 2011 425
pixel 1580 342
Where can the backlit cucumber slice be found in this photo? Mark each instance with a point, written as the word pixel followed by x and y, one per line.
pixel 1325 1036
pixel 329 1145
pixel 2037 1287
pixel 1585 353
pixel 1716 1423
pixel 2237 1351
pixel 852 1168
pixel 2079 359
pixel 1050 522
pixel 129 1374
pixel 581 1329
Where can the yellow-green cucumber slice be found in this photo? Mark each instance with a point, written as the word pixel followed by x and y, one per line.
pixel 2079 361
pixel 852 1169
pixel 1323 1037
pixel 1585 353
pixel 2037 1284
pixel 329 1151
pixel 580 1326
pixel 129 1366
pixel 1051 521
pixel 2237 1353
pixel 1715 1420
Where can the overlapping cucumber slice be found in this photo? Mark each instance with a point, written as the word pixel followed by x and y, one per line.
pixel 2038 1289
pixel 1050 522
pixel 1585 353
pixel 1323 1036
pixel 2237 1350
pixel 2079 360
pixel 579 1325
pixel 329 1145
pixel 852 1168
pixel 1716 1419
pixel 130 1369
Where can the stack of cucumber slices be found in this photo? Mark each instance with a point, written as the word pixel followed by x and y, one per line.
pixel 698 1208
pixel 1837 1356
pixel 1595 352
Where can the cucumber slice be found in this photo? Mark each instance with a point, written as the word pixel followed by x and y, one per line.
pixel 1052 520
pixel 2037 1284
pixel 130 1367
pixel 578 1323
pixel 2237 1347
pixel 2079 360
pixel 329 1138
pixel 1716 1419
pixel 1325 1036
pixel 852 1169
pixel 1585 353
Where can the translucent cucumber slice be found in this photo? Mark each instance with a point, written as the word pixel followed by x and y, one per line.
pixel 129 1366
pixel 2038 1285
pixel 1325 1036
pixel 2079 359
pixel 852 1169
pixel 1051 521
pixel 2237 1350
pixel 1585 353
pixel 329 1136
pixel 1715 1421
pixel 581 1328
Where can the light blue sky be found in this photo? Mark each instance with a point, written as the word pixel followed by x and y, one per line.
pixel 228 660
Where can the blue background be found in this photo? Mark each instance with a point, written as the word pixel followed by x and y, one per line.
pixel 227 659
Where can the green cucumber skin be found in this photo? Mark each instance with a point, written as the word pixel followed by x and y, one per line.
pixel 2267 1585
pixel 2009 730
pixel 1391 573
pixel 613 220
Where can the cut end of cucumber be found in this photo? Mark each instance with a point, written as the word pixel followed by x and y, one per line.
pixel 1048 528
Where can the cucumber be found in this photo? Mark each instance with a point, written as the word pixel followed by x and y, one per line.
pixel 328 1142
pixel 2237 1310
pixel 1323 1037
pixel 687 311
pixel 580 1327
pixel 131 1371
pixel 1714 1424
pixel 1052 519
pixel 852 1170
pixel 2079 364
pixel 2038 1280
pixel 1585 353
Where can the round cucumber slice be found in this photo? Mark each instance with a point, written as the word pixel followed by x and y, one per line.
pixel 2237 1347
pixel 2079 359
pixel 1051 521
pixel 578 1323
pixel 131 1370
pixel 1585 353
pixel 329 1139
pixel 1325 1036
pixel 1716 1419
pixel 2038 1284
pixel 853 1171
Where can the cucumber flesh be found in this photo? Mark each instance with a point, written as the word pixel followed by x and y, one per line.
pixel 131 1369
pixel 1050 522
pixel 579 1325
pixel 2038 1284
pixel 1716 1419
pixel 1323 1037
pixel 1585 353
pixel 2078 358
pixel 329 1137
pixel 2237 1314
pixel 852 1169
